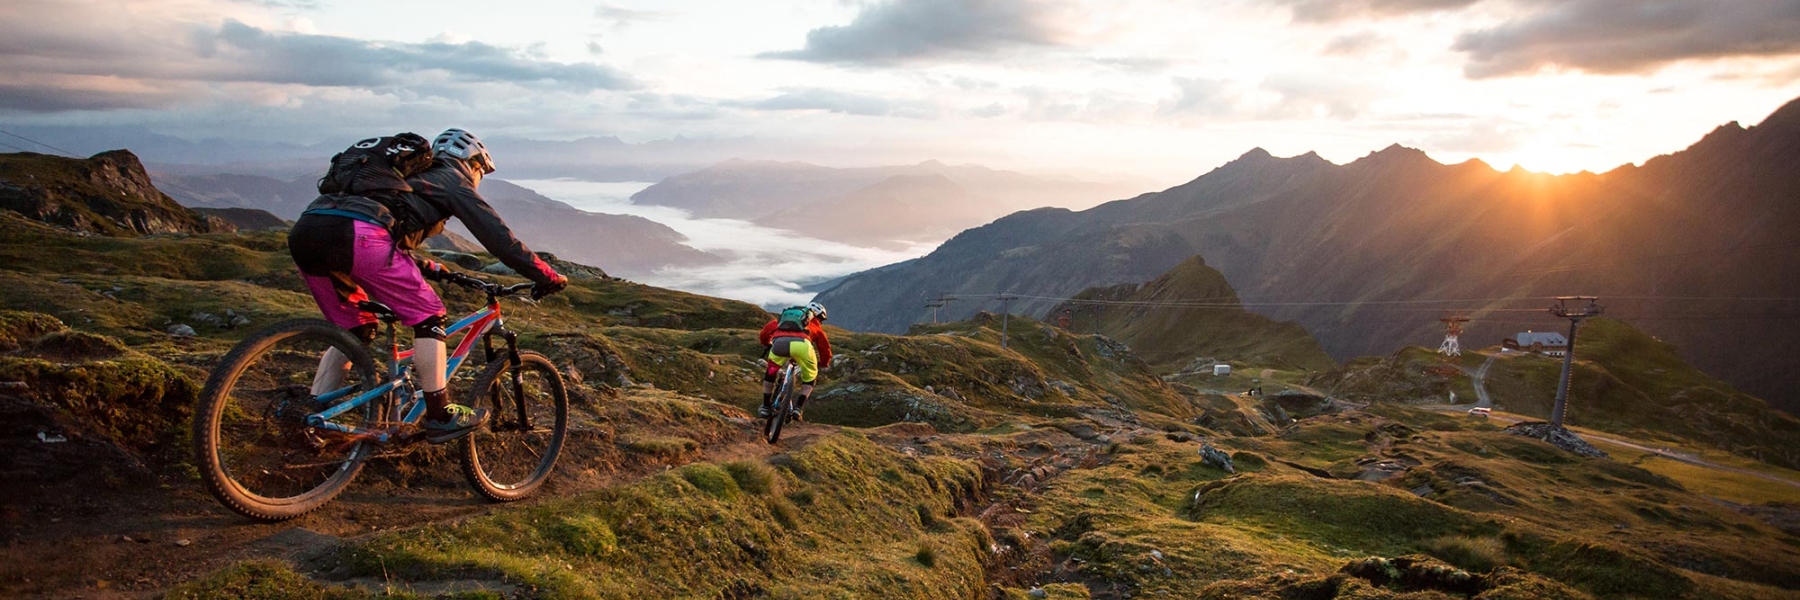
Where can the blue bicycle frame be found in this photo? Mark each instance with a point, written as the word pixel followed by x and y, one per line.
pixel 400 367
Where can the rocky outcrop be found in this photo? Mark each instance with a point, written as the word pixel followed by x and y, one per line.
pixel 1557 436
pixel 108 194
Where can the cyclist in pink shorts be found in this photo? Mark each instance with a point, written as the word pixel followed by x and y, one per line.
pixel 380 200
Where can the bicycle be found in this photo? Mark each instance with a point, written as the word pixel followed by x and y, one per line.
pixel 781 410
pixel 270 450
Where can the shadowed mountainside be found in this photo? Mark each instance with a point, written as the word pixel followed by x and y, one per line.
pixel 1656 242
pixel 1158 320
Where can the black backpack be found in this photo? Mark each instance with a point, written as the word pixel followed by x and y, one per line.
pixel 377 166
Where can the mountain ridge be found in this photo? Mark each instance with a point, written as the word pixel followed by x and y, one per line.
pixel 1396 225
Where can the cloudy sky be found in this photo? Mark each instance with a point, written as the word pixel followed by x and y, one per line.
pixel 1146 89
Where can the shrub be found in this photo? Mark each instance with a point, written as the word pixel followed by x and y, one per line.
pixel 753 477
pixel 585 535
pixel 926 555
pixel 712 479
pixel 1476 554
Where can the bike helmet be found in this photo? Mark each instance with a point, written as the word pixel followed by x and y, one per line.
pixel 817 309
pixel 465 146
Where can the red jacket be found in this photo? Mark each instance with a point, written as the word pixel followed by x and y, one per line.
pixel 813 331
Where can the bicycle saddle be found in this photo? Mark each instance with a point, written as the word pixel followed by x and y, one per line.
pixel 380 310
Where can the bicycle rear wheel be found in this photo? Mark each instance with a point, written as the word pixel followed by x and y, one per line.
pixel 528 419
pixel 255 452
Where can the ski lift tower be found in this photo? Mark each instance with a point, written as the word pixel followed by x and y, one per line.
pixel 1453 328
pixel 1573 309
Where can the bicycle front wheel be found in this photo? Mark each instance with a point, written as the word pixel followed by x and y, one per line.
pixel 255 451
pixel 528 418
pixel 784 402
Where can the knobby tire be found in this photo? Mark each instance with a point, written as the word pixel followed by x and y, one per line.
pixel 486 451
pixel 218 395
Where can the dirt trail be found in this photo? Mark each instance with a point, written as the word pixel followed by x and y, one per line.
pixel 136 542
pixel 1482 399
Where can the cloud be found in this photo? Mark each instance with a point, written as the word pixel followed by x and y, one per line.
pixel 1485 136
pixel 1631 36
pixel 1354 44
pixel 766 266
pixel 902 31
pixel 622 17
pixel 1135 64
pixel 1204 97
pixel 62 56
pixel 1329 11
pixel 1297 95
pixel 1313 94
pixel 62 94
pixel 848 103
pixel 240 52
pixel 284 4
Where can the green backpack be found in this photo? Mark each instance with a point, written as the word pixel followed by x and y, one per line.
pixel 793 318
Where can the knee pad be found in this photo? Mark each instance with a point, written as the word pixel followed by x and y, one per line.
pixel 430 328
pixel 364 332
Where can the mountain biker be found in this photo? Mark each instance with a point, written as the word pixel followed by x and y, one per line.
pixel 350 249
pixel 797 334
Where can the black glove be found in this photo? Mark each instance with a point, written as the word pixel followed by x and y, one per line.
pixel 556 284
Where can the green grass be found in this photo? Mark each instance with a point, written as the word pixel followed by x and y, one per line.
pixel 695 532
pixel 261 580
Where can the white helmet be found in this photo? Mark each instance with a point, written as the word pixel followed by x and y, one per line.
pixel 460 144
pixel 817 309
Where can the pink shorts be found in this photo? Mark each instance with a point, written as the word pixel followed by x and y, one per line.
pixel 381 273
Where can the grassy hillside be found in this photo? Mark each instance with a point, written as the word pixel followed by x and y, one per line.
pixel 1156 320
pixel 933 464
pixel 1625 381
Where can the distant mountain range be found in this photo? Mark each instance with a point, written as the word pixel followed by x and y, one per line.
pixel 869 206
pixel 621 244
pixel 1696 247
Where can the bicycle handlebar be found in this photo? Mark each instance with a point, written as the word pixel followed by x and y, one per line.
pixel 492 289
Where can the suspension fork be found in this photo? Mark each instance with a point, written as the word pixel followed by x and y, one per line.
pixel 517 379
pixel 518 382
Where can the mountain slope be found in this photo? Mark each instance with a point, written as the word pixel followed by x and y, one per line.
pixel 1151 319
pixel 1714 220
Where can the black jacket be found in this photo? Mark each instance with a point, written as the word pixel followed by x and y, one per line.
pixel 419 209
pixel 447 189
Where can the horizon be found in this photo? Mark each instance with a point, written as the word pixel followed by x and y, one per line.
pixel 1139 92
